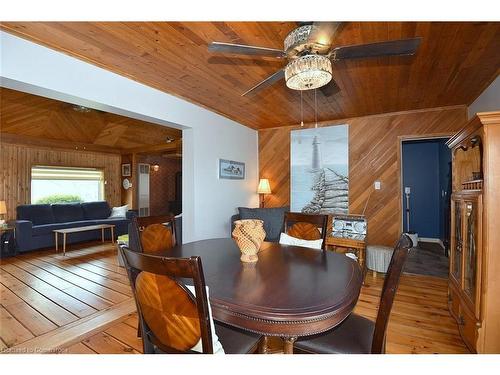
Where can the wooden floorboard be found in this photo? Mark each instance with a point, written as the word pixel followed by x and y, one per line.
pixel 11 331
pixel 47 296
pixel 99 289
pixel 83 295
pixel 79 348
pixel 52 311
pixel 420 321
pixel 57 296
pixel 81 303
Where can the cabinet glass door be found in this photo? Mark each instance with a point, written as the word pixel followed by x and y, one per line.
pixel 471 248
pixel 456 266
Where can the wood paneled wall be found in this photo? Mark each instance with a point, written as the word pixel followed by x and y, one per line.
pixel 374 155
pixel 15 171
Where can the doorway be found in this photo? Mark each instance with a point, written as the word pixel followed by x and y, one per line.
pixel 426 189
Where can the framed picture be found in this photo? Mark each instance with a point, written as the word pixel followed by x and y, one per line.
pixel 126 171
pixel 232 170
pixel 319 169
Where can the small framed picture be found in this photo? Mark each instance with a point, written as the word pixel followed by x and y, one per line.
pixel 232 170
pixel 126 172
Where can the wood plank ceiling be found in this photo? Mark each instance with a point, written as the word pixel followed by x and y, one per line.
pixel 36 117
pixel 455 62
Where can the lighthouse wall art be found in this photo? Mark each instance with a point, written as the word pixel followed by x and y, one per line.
pixel 320 170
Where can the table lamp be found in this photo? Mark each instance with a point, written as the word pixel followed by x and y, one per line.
pixel 3 211
pixel 263 189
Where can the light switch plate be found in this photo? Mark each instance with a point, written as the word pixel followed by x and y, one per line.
pixel 377 185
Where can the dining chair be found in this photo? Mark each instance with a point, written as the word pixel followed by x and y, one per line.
pixel 306 226
pixel 150 234
pixel 356 334
pixel 174 317
pixel 168 220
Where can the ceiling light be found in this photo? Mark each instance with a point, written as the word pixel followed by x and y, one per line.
pixel 308 72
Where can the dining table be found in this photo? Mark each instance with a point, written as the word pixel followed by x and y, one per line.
pixel 289 292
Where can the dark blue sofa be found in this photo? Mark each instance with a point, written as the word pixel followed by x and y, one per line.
pixel 35 223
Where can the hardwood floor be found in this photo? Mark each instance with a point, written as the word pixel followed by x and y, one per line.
pixel 82 303
pixel 48 300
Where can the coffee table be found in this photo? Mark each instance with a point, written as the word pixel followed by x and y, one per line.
pixel 87 228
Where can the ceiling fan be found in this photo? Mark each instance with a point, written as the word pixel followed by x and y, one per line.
pixel 310 53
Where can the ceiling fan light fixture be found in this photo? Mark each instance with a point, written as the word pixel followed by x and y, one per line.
pixel 297 37
pixel 308 72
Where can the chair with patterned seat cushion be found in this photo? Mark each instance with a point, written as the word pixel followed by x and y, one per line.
pixel 356 334
pixel 174 317
pixel 306 226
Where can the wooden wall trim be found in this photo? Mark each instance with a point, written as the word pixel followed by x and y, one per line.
pixel 373 155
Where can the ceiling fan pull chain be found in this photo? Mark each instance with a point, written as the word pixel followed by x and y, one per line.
pixel 301 110
pixel 315 110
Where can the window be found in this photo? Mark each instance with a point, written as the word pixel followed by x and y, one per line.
pixel 65 185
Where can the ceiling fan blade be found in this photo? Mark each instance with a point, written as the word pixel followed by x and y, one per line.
pixel 398 47
pixel 331 88
pixel 280 74
pixel 323 33
pixel 241 49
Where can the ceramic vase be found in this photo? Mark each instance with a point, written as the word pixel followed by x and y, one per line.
pixel 249 235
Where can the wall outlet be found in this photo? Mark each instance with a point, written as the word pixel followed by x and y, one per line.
pixel 377 185
pixel 407 190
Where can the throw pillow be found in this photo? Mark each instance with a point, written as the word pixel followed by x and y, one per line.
pixel 285 239
pixel 119 212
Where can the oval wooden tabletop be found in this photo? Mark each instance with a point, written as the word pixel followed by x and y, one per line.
pixel 290 291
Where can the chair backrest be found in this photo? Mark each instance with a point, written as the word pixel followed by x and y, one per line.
pixel 172 319
pixel 145 221
pixel 149 234
pixel 389 289
pixel 306 226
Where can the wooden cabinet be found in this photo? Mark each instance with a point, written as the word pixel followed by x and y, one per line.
pixel 456 249
pixel 474 277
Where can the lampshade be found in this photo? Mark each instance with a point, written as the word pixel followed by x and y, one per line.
pixel 308 72
pixel 264 187
pixel 3 208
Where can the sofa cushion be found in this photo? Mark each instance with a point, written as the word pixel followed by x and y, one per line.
pixel 272 217
pixel 64 213
pixel 40 230
pixel 36 213
pixel 96 210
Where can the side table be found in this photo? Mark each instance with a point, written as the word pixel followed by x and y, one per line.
pixel 346 244
pixel 8 246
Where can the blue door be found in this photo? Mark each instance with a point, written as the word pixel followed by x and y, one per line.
pixel 427 173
